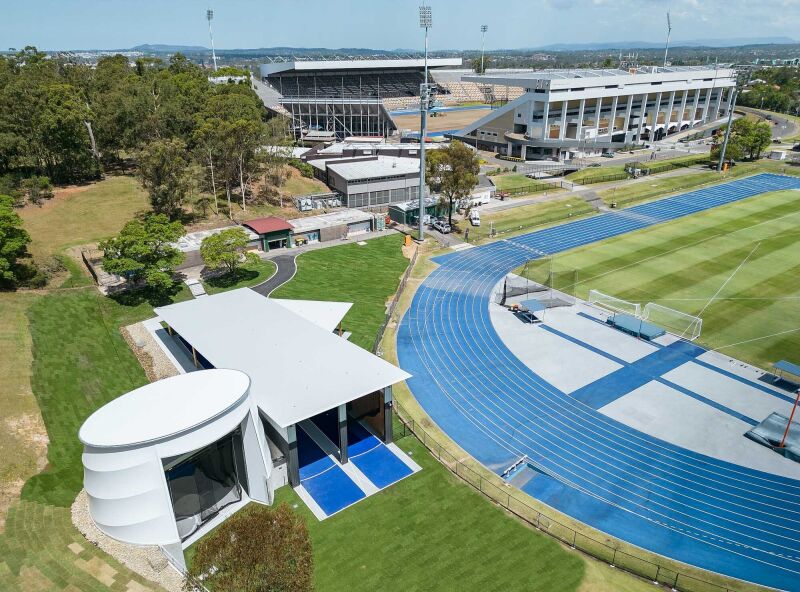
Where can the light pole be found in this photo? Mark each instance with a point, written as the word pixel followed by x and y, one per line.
pixel 425 22
pixel 210 17
pixel 666 48
pixel 484 28
pixel 742 78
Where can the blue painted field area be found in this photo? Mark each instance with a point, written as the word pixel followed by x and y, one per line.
pixel 669 500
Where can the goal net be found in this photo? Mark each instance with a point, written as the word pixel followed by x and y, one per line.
pixel 614 304
pixel 676 322
pixel 544 275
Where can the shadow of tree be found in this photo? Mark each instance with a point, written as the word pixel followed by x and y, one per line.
pixel 228 280
pixel 152 296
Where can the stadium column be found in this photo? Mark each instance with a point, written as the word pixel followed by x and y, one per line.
pixel 729 101
pixel 597 111
pixel 545 124
pixel 628 110
pixel 642 114
pixel 579 129
pixel 718 104
pixel 612 117
pixel 695 105
pixel 657 110
pixel 668 117
pixel 294 458
pixel 682 115
pixel 706 105
pixel 343 433
pixel 562 129
pixel 388 434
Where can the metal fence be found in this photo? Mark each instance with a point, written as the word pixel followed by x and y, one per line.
pixel 393 304
pixel 505 497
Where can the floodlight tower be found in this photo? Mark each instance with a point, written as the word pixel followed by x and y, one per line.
pixel 484 28
pixel 742 78
pixel 425 22
pixel 669 32
pixel 210 17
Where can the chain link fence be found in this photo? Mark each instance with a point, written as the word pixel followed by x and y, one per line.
pixel 508 500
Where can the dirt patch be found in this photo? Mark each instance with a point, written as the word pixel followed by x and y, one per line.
pixel 155 363
pixel 28 431
pixel 59 194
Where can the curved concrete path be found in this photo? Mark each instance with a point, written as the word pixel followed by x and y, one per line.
pixel 286 267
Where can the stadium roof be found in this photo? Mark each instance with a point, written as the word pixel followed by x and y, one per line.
pixel 297 368
pixel 565 78
pixel 386 64
pixel 381 166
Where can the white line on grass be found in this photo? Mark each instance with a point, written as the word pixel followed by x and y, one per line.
pixel 730 277
pixel 757 339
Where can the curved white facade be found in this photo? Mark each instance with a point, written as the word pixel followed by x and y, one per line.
pixel 127 440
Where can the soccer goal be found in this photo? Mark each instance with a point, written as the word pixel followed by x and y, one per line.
pixel 676 322
pixel 614 304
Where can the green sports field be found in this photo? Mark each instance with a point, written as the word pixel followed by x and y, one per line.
pixel 737 266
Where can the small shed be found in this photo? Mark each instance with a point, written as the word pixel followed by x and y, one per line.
pixel 274 232
pixel 408 212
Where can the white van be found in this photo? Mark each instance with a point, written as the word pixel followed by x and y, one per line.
pixel 475 218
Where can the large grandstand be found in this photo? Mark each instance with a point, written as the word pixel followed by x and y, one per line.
pixel 359 97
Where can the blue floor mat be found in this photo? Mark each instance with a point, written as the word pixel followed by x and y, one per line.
pixel 373 458
pixel 381 466
pixel 333 490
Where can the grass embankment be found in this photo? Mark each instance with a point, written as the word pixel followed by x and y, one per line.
pixel 366 275
pixel 63 347
pixel 682 264
pixel 518 184
pixel 659 186
pixel 598 174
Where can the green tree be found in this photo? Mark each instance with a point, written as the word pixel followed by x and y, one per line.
pixel 760 137
pixel 164 172
pixel 260 549
pixel 226 250
pixel 13 244
pixel 143 251
pixel 453 173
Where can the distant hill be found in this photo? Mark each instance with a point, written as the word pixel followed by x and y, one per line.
pixel 732 42
pixel 161 48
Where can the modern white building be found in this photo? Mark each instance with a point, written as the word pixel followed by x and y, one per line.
pixel 269 394
pixel 567 113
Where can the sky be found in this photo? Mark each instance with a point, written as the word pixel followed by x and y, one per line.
pixel 383 24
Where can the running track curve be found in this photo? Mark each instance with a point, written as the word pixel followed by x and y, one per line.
pixel 696 509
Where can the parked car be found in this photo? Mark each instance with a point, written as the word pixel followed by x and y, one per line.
pixel 441 225
pixel 475 218
pixel 607 155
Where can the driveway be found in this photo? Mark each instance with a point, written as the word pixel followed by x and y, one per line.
pixel 286 268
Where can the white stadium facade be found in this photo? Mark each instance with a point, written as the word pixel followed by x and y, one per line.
pixel 567 113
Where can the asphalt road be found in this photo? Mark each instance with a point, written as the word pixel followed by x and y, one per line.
pixel 286 268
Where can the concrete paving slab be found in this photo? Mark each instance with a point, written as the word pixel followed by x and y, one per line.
pixel 545 353
pixel 726 391
pixel 669 415
pixel 616 343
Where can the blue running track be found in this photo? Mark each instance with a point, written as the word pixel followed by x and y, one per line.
pixel 680 504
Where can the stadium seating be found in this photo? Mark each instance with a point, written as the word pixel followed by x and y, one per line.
pixel 385 85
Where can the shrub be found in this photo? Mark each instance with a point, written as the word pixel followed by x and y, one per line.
pixel 305 169
pixel 259 549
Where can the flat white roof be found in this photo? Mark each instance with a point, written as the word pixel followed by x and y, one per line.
pixel 601 77
pixel 297 368
pixel 347 216
pixel 384 166
pixel 192 240
pixel 378 64
pixel 164 408
pixel 324 314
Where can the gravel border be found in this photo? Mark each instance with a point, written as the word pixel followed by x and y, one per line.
pixel 147 561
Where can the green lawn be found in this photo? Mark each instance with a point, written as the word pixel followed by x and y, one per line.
pixel 365 275
pixel 516 181
pixel 431 532
pixel 683 263
pixel 529 216
pixel 244 277
pixel 660 185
